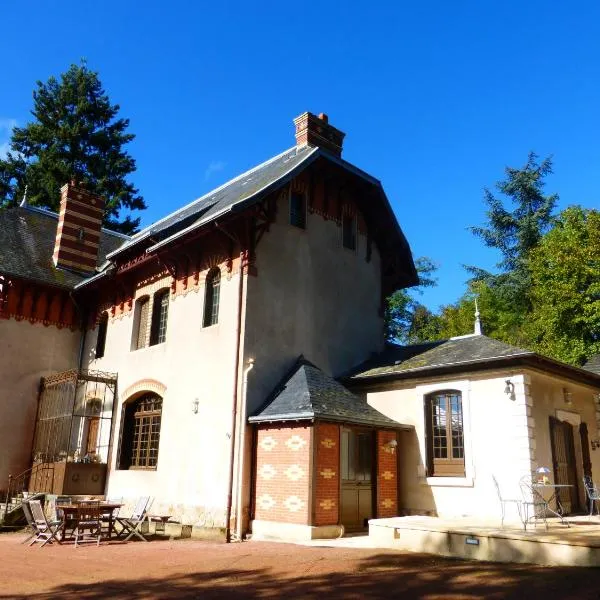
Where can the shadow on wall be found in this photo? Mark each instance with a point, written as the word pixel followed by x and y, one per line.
pixel 389 575
pixel 415 496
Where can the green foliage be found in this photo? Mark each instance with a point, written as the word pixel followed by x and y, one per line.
pixel 565 290
pixel 75 135
pixel 516 232
pixel 406 319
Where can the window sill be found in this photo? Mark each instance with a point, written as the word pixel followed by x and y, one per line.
pixel 448 481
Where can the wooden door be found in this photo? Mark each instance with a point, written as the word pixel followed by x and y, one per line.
pixel 585 450
pixel 92 435
pixel 356 462
pixel 564 464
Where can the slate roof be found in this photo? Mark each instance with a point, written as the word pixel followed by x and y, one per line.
pixel 27 236
pixel 225 198
pixel 308 393
pixel 593 364
pixel 455 354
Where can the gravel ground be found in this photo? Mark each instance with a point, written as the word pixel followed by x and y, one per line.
pixel 194 569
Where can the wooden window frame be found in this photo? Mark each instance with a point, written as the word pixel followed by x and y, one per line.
pixel 451 439
pixel 132 455
pixel 298 216
pixel 212 297
pixel 101 337
pixel 140 331
pixel 160 317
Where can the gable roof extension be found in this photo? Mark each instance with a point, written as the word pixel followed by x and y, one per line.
pixel 466 353
pixel 27 237
pixel 308 394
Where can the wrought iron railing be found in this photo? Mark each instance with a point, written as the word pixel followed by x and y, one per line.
pixel 37 479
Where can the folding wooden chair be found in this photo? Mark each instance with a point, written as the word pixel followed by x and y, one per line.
pixel 89 523
pixel 131 525
pixel 46 531
pixel 30 521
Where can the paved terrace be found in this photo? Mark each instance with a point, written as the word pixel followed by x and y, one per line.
pixel 193 569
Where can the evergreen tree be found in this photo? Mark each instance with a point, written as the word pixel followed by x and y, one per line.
pixel 406 319
pixel 76 134
pixel 516 232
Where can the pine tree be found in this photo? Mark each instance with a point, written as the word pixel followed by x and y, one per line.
pixel 76 135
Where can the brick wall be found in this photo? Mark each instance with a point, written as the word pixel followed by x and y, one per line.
pixel 327 474
pixel 283 474
pixel 387 475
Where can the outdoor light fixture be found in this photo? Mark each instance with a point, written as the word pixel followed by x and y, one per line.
pixel 509 389
pixel 595 444
pixel 567 396
pixel 392 444
pixel 195 405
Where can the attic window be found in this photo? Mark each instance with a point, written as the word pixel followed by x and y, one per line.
pixel 298 210
pixel 349 232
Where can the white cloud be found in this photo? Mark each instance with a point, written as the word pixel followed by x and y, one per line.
pixel 6 127
pixel 214 167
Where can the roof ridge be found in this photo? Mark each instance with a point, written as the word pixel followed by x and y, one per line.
pixel 140 234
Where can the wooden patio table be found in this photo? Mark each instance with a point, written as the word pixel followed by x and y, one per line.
pixel 71 513
pixel 554 488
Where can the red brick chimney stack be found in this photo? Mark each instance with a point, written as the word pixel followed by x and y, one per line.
pixel 78 231
pixel 313 130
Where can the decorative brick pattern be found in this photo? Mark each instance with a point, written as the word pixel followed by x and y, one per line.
pixel 327 481
pixel 283 462
pixel 387 475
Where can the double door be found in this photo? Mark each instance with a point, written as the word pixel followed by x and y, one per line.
pixel 564 464
pixel 356 465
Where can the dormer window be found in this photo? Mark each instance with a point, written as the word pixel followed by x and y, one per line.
pixel 298 210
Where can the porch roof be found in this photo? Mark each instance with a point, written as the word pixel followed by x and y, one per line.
pixel 307 393
pixel 454 355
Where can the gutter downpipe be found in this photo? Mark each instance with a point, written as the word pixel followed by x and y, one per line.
pixel 234 412
pixel 241 452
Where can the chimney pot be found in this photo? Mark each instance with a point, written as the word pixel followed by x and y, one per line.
pixel 313 130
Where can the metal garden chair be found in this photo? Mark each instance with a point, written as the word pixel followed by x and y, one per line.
pixel 592 493
pixel 30 521
pixel 46 531
pixel 504 501
pixel 131 525
pixel 532 499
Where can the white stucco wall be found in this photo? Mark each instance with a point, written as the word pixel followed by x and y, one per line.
pixel 194 362
pixel 29 352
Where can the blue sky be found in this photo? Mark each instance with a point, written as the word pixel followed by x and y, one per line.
pixel 436 98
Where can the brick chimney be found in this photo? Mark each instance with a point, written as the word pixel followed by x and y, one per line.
pixel 313 130
pixel 78 231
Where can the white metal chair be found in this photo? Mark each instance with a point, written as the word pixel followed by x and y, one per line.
pixel 592 493
pixel 46 531
pixel 504 501
pixel 532 499
pixel 131 525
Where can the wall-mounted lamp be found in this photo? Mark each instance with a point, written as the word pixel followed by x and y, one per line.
pixel 195 405
pixel 595 444
pixel 509 389
pixel 567 396
pixel 392 444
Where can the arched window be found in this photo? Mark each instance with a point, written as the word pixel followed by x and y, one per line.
pixel 140 433
pixel 444 434
pixel 211 298
pixel 140 330
pixel 101 339
pixel 160 311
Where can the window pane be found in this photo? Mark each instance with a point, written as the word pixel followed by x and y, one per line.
pixel 440 441
pixel 146 431
pixel 144 308
pixel 211 302
pixel 101 340
pixel 349 232
pixel 344 455
pixel 297 210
